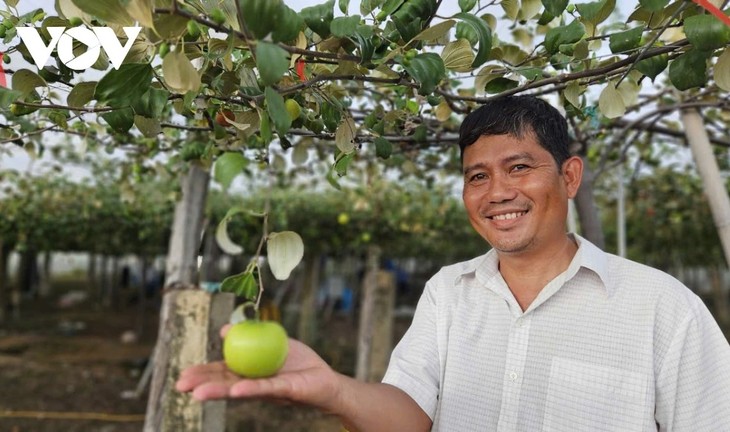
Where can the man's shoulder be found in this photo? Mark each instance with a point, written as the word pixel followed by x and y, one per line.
pixel 640 281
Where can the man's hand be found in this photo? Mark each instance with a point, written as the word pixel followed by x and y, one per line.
pixel 304 378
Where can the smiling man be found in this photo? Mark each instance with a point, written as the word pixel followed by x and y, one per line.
pixel 545 332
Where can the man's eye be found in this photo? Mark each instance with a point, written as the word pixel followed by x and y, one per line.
pixel 478 177
pixel 519 167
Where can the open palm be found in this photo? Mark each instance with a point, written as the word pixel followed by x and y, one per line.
pixel 305 377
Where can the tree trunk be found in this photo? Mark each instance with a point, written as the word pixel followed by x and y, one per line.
pixel 713 182
pixel 585 205
pixel 184 320
pixel 103 283
pixel 306 331
pixel 91 273
pixel 376 315
pixel 44 279
pixel 3 281
pixel 209 270
pixel 114 283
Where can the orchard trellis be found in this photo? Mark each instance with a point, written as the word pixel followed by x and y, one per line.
pixel 230 82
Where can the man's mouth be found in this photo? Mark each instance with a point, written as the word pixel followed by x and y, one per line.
pixel 508 216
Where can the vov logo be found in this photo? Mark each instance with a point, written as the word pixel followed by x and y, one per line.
pixel 95 38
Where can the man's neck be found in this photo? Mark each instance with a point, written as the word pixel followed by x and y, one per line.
pixel 527 274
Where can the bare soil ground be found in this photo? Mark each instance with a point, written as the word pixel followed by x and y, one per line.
pixel 64 370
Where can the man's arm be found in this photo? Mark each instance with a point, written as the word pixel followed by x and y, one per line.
pixel 307 379
pixel 693 383
pixel 369 407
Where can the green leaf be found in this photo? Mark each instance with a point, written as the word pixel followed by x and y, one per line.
pixel 318 18
pixel 272 62
pixel 566 34
pixel 572 94
pixel 179 73
pixel 412 16
pixel 689 69
pixel 284 252
pixel 465 31
pixel 152 103
pixel 120 120
pixel 345 135
pixel 7 97
pixel 383 148
pixel 243 285
pixel 259 17
pixel 342 163
pixel 331 115
pixel 511 8
pixel 706 32
pixel 121 87
pixel 467 5
pixel 344 6
pixel 458 56
pixel 276 108
pixel 625 40
pixel 654 5
pixel 531 73
pixel 498 85
pixel 364 40
pixel 228 166
pixel 221 234
pixel 555 7
pixel 110 11
pixel 344 26
pixel 611 103
pixel 265 127
pixel 25 81
pixel 141 11
pixel 428 70
pixel 596 12
pixel 653 66
pixel 81 94
pixel 288 25
pixel 722 70
pixel 436 31
pixel 485 37
pixel 149 127
pixel 389 6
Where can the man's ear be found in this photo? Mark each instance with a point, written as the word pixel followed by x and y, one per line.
pixel 572 173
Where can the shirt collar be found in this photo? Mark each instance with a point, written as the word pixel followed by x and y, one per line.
pixel 588 256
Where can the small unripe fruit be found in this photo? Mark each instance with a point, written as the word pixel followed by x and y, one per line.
pixel 293 108
pixel 163 49
pixel 218 16
pixel 193 29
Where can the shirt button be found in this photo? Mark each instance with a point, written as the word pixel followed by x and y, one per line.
pixel 521 323
pixel 513 376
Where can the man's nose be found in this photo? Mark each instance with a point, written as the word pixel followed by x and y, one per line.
pixel 501 189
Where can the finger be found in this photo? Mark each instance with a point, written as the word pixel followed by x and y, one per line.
pixel 224 330
pixel 270 387
pixel 204 368
pixel 193 377
pixel 211 390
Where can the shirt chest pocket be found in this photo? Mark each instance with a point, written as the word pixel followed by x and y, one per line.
pixel 588 397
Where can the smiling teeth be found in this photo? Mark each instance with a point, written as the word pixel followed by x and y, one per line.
pixel 507 216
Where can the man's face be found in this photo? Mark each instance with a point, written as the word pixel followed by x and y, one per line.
pixel 514 193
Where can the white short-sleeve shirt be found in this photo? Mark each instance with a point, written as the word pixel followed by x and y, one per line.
pixel 608 345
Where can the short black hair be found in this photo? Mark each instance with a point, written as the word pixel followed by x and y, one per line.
pixel 517 116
